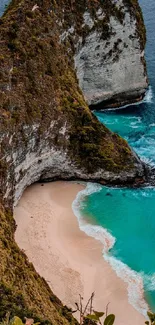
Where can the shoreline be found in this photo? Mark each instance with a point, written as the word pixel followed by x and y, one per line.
pixel 133 279
pixel 48 232
pixel 146 99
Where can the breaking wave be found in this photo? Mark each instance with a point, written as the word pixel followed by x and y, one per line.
pixel 134 280
pixel 149 96
pixel 147 99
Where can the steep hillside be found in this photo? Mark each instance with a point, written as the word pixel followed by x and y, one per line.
pixel 109 53
pixel 46 128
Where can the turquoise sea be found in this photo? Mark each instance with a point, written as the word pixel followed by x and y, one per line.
pixel 124 219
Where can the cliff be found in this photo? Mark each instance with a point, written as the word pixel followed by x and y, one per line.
pixel 109 59
pixel 46 128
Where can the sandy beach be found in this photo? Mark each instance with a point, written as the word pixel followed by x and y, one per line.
pixel 69 260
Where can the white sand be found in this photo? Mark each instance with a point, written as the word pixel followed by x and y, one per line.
pixel 69 260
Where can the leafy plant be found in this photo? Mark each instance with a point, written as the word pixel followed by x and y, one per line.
pixel 151 318
pixel 92 318
pixel 89 316
pixel 17 321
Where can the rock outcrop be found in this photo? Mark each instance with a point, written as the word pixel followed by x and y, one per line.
pixel 110 62
pixel 46 128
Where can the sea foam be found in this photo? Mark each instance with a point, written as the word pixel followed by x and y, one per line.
pixel 134 280
pixel 149 96
pixel 147 99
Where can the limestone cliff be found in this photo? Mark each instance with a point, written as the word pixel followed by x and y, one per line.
pixel 109 59
pixel 46 128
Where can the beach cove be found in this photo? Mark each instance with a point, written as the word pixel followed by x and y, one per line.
pixel 70 261
pixel 125 280
pixel 48 133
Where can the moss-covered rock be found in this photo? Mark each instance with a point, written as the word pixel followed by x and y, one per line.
pixel 46 132
pixel 22 291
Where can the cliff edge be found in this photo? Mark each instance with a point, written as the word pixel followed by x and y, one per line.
pixel 109 53
pixel 46 128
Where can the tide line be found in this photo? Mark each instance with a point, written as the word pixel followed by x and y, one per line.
pixel 134 280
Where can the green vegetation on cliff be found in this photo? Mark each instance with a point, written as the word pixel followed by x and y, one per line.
pixel 22 291
pixel 38 85
pixel 135 10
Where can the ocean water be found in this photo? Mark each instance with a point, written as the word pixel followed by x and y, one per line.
pixel 124 219
pixel 3 5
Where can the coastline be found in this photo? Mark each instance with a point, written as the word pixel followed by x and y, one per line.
pixel 146 99
pixel 69 260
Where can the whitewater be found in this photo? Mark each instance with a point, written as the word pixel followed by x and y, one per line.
pixel 123 219
pixel 136 123
pixel 135 280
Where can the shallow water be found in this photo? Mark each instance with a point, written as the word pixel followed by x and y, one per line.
pixel 129 214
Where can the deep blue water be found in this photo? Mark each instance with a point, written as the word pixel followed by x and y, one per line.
pixel 3 4
pixel 129 214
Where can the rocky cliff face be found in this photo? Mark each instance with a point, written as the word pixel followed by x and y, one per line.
pixel 110 62
pixel 47 130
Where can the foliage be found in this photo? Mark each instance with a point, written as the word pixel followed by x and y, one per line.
pixel 151 318
pixel 89 316
pixel 46 89
pixel 42 88
pixel 92 318
pixel 109 319
pixel 17 321
pixel 22 290
pixel 135 10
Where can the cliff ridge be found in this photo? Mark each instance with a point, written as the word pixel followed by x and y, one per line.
pixel 47 130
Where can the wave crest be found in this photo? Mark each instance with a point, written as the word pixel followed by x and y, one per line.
pixel 147 99
pixel 132 278
pixel 149 96
pixel 134 281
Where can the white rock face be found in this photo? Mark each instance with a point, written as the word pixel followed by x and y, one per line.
pixel 88 21
pixel 49 163
pixel 44 161
pixel 111 69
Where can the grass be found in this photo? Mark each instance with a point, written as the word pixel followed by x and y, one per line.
pixel 38 85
